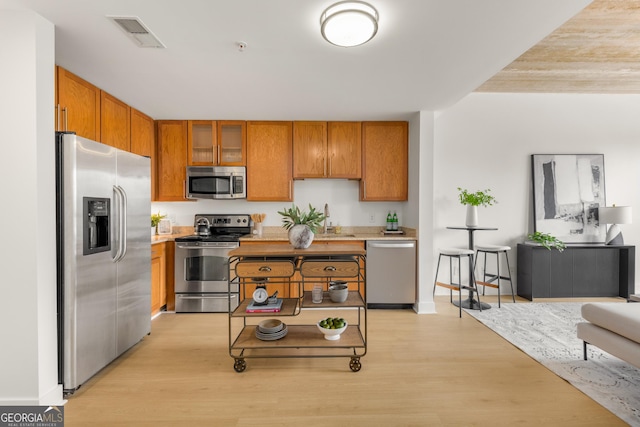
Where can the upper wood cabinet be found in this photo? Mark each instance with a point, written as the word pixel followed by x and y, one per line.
pixel 171 160
pixel 385 160
pixel 202 142
pixel 142 133
pixel 309 149
pixel 115 122
pixel 78 105
pixel 216 143
pixel 269 161
pixel 344 148
pixel 232 140
pixel 143 141
pixel 327 150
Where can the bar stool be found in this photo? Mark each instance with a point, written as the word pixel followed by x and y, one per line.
pixel 457 253
pixel 488 279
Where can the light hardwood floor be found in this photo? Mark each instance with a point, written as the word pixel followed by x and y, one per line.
pixel 420 370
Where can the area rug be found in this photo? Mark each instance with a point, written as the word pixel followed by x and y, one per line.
pixel 547 333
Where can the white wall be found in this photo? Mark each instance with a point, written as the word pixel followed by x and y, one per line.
pixel 485 141
pixel 340 194
pixel 421 177
pixel 28 360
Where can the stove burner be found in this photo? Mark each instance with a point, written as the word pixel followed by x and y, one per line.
pixel 212 238
pixel 222 228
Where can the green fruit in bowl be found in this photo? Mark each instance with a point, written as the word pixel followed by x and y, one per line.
pixel 332 323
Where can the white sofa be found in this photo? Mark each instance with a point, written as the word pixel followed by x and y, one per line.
pixel 614 327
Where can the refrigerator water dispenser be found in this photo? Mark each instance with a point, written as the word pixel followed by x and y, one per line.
pixel 95 225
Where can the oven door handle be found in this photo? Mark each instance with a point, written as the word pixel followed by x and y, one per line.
pixel 207 297
pixel 199 247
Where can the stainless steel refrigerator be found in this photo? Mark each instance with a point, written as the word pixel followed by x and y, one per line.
pixel 103 253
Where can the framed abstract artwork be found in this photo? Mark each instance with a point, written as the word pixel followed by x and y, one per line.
pixel 567 191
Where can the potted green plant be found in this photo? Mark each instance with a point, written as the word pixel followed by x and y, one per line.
pixel 472 201
pixel 155 220
pixel 301 225
pixel 547 240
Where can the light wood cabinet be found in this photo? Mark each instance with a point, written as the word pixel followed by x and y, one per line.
pixel 143 141
pixel 309 149
pixel 78 105
pixel 202 142
pixel 115 122
pixel 158 277
pixel 327 150
pixel 232 140
pixel 269 161
pixel 142 134
pixel 212 143
pixel 171 160
pixel 344 148
pixel 170 279
pixel 385 160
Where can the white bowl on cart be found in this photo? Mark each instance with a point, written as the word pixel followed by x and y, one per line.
pixel 332 334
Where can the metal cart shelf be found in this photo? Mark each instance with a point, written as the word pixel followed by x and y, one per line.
pixel 292 271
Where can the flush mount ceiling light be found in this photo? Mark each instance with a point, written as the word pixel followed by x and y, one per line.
pixel 349 23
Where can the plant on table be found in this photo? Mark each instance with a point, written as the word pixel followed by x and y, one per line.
pixel 155 220
pixel 547 240
pixel 479 198
pixel 294 216
pixel 472 201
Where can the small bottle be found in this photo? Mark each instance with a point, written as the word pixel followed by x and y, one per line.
pixel 389 219
pixel 394 222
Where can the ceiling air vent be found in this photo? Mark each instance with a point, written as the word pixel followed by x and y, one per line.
pixel 135 29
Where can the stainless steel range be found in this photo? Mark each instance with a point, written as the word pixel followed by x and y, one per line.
pixel 202 264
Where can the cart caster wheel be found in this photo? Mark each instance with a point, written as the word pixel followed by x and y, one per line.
pixel 240 365
pixel 355 365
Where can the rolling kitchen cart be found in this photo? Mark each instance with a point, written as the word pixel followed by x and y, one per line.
pixel 287 270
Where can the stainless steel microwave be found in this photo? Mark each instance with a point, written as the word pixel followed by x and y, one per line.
pixel 216 182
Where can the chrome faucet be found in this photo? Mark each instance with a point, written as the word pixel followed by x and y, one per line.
pixel 325 230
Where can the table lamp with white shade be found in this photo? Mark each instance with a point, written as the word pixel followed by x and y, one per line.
pixel 614 215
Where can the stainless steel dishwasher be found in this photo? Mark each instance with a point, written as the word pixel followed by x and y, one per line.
pixel 391 273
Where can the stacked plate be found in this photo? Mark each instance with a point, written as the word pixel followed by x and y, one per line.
pixel 271 330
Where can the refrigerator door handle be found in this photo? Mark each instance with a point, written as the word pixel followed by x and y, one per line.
pixel 122 222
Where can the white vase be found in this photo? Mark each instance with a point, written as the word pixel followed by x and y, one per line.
pixel 300 236
pixel 472 216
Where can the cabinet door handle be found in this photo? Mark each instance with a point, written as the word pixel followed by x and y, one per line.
pixel 324 166
pixel 66 116
pixel 218 160
pixel 290 197
pixel 264 268
pixel 330 165
pixel 57 116
pixel 330 268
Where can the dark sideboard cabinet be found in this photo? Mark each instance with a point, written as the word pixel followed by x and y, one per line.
pixel 578 271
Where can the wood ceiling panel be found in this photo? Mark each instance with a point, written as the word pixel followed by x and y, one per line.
pixel 597 51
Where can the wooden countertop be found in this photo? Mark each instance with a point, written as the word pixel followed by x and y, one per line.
pixel 278 250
